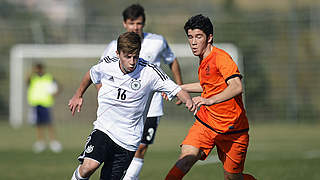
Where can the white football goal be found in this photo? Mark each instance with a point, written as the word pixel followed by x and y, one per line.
pixel 67 56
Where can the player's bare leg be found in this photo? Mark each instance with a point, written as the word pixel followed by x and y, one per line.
pixel 39 145
pixel 188 157
pixel 136 163
pixel 85 170
pixel 141 151
pixel 233 176
pixel 55 145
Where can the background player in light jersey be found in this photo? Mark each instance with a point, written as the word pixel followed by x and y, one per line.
pixel 154 48
pixel 221 120
pixel 127 83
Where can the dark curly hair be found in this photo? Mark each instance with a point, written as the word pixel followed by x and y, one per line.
pixel 199 22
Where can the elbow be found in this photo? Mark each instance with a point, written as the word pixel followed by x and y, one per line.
pixel 239 89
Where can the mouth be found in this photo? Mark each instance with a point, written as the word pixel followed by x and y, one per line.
pixel 194 50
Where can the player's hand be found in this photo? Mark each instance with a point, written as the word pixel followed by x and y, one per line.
pixel 190 105
pixel 198 101
pixel 179 102
pixel 165 96
pixel 75 103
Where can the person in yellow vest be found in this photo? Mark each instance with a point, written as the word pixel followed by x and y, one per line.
pixel 41 91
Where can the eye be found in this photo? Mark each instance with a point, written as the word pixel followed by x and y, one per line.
pixel 199 36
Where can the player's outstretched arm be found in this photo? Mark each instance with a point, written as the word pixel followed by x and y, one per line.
pixel 192 87
pixel 185 98
pixel 75 103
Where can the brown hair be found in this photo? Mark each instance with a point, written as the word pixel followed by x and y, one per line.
pixel 129 43
pixel 134 12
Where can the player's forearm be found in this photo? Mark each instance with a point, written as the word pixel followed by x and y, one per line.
pixel 192 87
pixel 183 96
pixel 85 83
pixel 175 68
pixel 186 99
pixel 234 88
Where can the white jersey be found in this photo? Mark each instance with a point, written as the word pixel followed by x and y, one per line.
pixel 123 98
pixel 154 48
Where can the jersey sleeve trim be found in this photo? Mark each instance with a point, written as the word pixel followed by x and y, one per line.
pixel 233 76
pixel 174 93
pixel 92 77
pixel 162 75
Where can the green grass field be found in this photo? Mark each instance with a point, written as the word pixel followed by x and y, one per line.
pixel 286 152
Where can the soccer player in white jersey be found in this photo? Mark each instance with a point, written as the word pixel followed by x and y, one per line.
pixel 127 83
pixel 154 49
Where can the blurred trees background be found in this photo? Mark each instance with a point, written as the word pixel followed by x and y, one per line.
pixel 279 42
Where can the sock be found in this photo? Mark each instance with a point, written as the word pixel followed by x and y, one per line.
pixel 175 174
pixel 76 175
pixel 134 169
pixel 248 177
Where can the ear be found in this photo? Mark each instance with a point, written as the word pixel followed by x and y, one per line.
pixel 118 53
pixel 124 24
pixel 210 39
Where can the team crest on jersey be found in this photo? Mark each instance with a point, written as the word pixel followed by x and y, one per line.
pixel 208 70
pixel 135 84
pixel 89 149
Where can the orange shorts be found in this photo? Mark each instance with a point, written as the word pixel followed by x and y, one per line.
pixel 231 148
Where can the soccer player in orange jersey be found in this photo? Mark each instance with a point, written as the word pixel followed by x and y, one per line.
pixel 221 120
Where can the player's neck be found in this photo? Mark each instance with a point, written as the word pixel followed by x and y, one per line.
pixel 206 52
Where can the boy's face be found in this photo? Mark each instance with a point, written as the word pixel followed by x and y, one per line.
pixel 128 61
pixel 198 41
pixel 134 25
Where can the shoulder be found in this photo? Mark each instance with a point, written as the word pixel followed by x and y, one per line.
pixel 113 43
pixel 108 59
pixel 48 75
pixel 153 69
pixel 151 36
pixel 220 53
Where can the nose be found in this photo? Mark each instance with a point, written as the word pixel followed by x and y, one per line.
pixel 132 61
pixel 135 26
pixel 193 41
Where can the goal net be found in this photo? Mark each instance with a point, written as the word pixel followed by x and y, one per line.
pixel 68 63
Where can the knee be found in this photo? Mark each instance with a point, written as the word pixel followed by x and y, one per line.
pixel 88 168
pixel 186 161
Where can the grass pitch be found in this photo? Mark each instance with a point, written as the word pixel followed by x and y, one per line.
pixel 276 151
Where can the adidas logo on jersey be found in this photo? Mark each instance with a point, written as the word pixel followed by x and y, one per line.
pixel 111 79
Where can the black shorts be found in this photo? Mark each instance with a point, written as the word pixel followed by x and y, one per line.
pixel 116 159
pixel 149 130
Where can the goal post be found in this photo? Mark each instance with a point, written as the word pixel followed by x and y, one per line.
pixel 22 53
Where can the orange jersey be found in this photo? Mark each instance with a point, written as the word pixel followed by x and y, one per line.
pixel 214 72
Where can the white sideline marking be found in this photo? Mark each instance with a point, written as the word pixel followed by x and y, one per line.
pixel 213 159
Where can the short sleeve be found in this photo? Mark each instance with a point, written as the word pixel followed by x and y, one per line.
pixel 164 84
pixel 167 54
pixel 227 67
pixel 110 50
pixel 96 73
